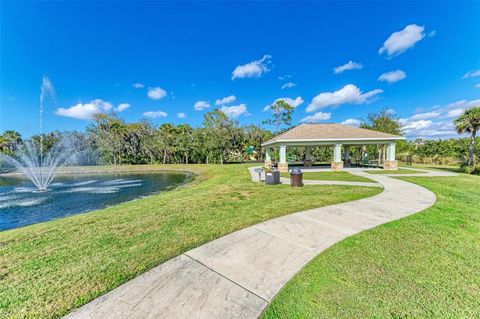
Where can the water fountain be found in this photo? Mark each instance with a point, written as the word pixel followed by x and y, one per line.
pixel 36 164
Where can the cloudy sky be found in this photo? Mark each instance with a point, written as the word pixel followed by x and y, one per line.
pixel 167 62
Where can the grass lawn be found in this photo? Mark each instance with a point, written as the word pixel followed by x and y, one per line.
pixel 424 266
pixel 48 269
pixel 398 171
pixel 449 168
pixel 332 176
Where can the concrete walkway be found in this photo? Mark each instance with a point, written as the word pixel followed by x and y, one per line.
pixel 237 275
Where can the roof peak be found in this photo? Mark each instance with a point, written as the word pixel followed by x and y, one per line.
pixel 330 132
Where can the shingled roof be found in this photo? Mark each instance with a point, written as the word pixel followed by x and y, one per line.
pixel 323 132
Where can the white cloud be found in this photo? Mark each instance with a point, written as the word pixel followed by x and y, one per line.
pixel 181 115
pixel 391 111
pixel 350 65
pixel 155 114
pixel 428 129
pixel 253 69
pixel 415 125
pixel 437 122
pixel 425 116
pixel 348 94
pixel 122 107
pixel 317 117
pixel 138 85
pixel 472 74
pixel 85 111
pixel 288 85
pixel 455 112
pixel 235 110
pixel 226 100
pixel 351 122
pixel 392 76
pixel 292 102
pixel 156 93
pixel 284 77
pixel 477 85
pixel 201 105
pixel 400 41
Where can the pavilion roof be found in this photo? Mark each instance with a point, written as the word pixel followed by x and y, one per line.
pixel 329 132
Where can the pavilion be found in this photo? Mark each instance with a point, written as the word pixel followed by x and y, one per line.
pixel 337 135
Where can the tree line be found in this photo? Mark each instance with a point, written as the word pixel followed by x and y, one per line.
pixel 108 139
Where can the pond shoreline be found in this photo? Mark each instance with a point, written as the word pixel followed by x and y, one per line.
pixel 111 169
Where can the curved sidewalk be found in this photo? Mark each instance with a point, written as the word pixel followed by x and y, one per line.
pixel 237 275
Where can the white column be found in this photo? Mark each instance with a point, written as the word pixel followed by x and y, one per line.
pixel 337 153
pixel 391 152
pixel 283 153
pixel 283 165
pixel 268 155
pixel 308 155
pixel 347 152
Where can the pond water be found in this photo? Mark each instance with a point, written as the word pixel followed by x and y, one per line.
pixel 68 195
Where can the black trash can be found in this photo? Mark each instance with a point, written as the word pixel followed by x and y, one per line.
pixel 296 178
pixel 272 177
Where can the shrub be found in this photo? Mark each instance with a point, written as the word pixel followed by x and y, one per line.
pixel 473 169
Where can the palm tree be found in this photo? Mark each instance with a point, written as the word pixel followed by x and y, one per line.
pixel 469 122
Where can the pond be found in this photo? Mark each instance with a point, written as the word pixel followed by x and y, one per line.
pixel 68 195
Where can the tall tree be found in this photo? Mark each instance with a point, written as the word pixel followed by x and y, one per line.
pixel 166 140
pixel 9 141
pixel 218 132
pixel 108 132
pixel 469 122
pixel 382 121
pixel 282 115
pixel 184 140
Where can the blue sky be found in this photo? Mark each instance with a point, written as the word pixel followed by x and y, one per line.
pixel 335 61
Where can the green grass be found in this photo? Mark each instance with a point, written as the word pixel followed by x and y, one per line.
pixel 424 266
pixel 398 171
pixel 449 168
pixel 48 269
pixel 332 176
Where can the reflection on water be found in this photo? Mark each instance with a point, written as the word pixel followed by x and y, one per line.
pixel 21 204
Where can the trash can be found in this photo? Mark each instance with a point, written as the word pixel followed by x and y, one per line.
pixel 272 177
pixel 296 178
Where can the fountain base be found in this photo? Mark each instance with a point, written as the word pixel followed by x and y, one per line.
pixel 41 190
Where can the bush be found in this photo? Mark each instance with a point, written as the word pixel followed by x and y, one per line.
pixel 470 169
pixel 474 170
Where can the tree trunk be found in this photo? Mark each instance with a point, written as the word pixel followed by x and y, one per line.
pixel 470 149
pixel 164 157
pixel 207 159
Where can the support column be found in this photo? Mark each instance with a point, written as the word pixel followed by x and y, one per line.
pixel 337 163
pixel 283 165
pixel 308 151
pixel 308 157
pixel 268 157
pixel 347 155
pixel 390 163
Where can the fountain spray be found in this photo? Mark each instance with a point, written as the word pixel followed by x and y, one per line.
pixel 38 166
